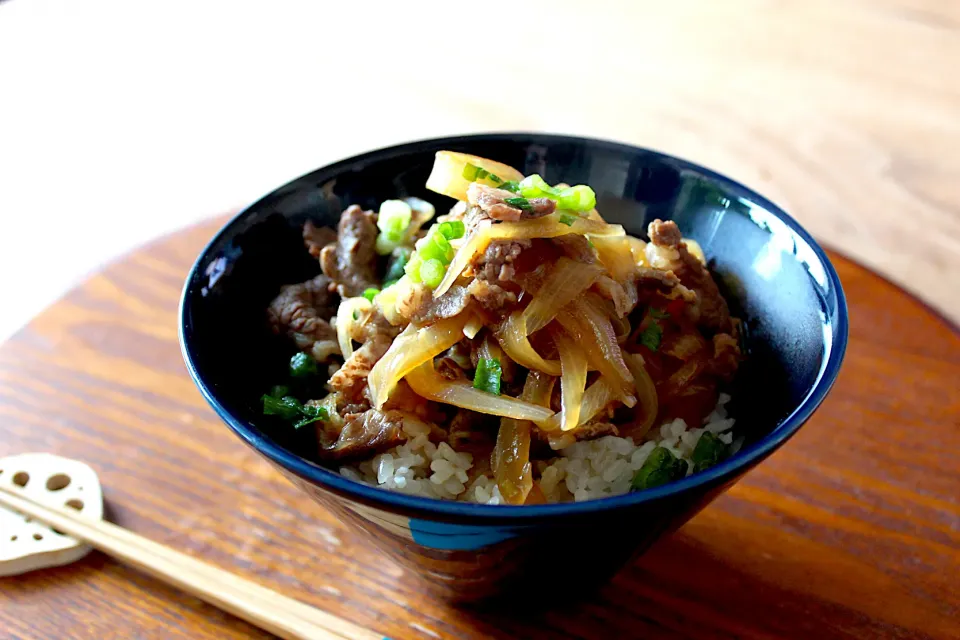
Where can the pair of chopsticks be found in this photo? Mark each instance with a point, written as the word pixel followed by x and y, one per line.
pixel 269 610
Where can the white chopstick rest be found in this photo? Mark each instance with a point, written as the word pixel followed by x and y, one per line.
pixel 25 543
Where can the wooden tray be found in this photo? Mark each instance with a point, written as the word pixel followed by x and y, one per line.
pixel 852 529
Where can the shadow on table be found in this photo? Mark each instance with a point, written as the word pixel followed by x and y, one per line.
pixel 678 589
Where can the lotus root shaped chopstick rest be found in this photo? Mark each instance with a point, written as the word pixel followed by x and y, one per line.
pixel 26 545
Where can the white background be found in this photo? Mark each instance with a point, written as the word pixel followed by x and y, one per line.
pixel 122 120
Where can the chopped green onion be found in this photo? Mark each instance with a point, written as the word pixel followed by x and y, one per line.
pixel 393 235
pixel 435 247
pixel 311 414
pixel 487 377
pixel 427 249
pixel 394 217
pixel 412 268
pixel 473 173
pixel 302 365
pixel 371 293
pixel 578 198
pixel 443 244
pixel 399 259
pixel 567 219
pixel 534 186
pixel 289 408
pixel 519 203
pixel 432 272
pixel 386 245
pixel 452 229
pixel 660 467
pixel 658 314
pixel 279 390
pixel 709 451
pixel 286 407
pixel 393 220
pixel 305 421
pixel 510 185
pixel 651 336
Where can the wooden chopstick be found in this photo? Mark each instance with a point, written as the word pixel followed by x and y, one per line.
pixel 269 610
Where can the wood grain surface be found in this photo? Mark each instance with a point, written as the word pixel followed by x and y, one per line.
pixel 851 530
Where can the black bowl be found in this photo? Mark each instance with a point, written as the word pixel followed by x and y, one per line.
pixel 772 271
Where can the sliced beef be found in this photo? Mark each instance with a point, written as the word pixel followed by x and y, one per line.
pixel 684 345
pixel 576 247
pixel 461 352
pixel 403 398
pixel 377 325
pixel 491 297
pixel 351 410
pixel 657 282
pixel 656 278
pixel 612 290
pixel 351 262
pixel 714 314
pixel 493 202
pixel 316 238
pixel 364 435
pixel 692 402
pixel 664 234
pixel 422 308
pixel 302 312
pixel 450 369
pixel 452 303
pixel 471 216
pixel 351 379
pixel 594 430
pixel 711 309
pixel 474 433
pixel 414 300
pixel 726 357
pixel 562 439
pixel 496 263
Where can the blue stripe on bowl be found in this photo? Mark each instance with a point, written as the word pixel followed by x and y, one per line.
pixel 457 537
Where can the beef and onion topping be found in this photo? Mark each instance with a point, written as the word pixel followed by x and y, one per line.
pixel 516 350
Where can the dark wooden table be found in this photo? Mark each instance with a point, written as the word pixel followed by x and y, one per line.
pixel 851 530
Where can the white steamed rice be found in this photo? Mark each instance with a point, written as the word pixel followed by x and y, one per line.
pixel 583 471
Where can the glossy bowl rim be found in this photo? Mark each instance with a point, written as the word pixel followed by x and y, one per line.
pixel 394 501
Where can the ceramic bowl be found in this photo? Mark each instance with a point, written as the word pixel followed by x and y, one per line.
pixel 776 277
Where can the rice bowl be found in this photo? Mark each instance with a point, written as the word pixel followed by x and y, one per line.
pixel 466 550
